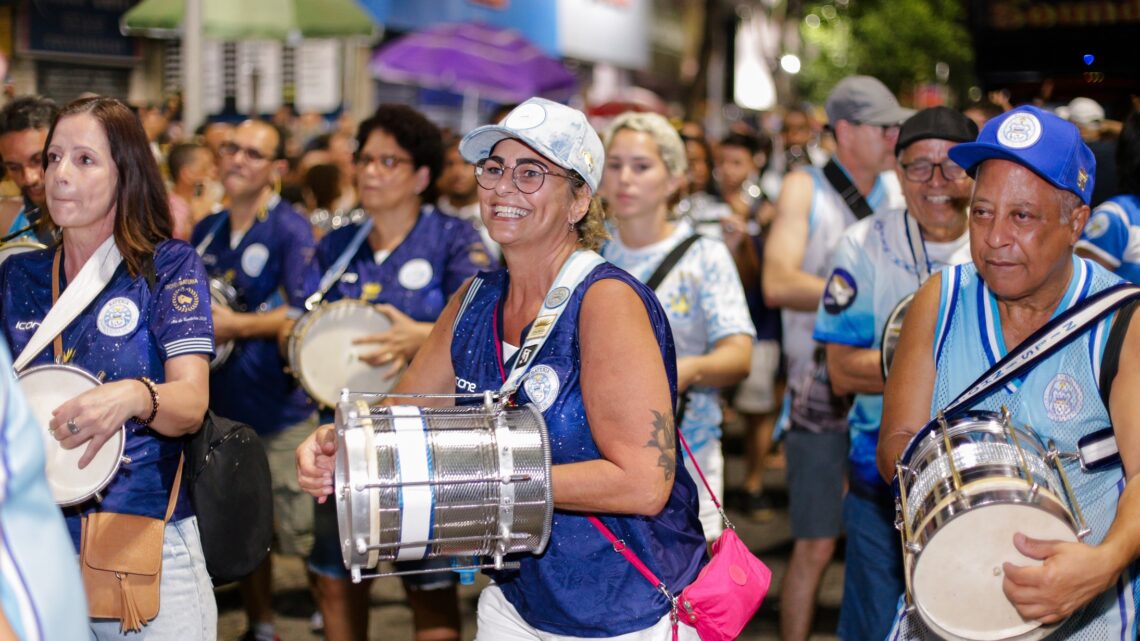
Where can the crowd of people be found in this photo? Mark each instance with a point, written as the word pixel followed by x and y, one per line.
pixel 749 278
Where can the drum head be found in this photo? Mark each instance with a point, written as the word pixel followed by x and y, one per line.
pixel 891 332
pixel 958 575
pixel 324 359
pixel 47 387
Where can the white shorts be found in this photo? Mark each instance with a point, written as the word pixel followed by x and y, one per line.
pixel 711 459
pixel 757 393
pixel 498 620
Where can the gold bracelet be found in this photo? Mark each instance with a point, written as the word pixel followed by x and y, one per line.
pixel 153 389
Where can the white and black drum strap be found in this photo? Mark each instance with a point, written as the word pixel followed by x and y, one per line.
pixel 1044 342
pixel 573 272
pixel 210 235
pixel 88 283
pixel 914 238
pixel 337 269
pixel 472 290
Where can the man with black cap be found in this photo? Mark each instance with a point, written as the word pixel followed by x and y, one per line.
pixel 880 261
pixel 1034 181
pixel 814 208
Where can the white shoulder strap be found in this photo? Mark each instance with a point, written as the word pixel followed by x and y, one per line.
pixel 90 281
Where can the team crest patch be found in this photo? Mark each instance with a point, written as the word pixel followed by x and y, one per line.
pixel 1063 398
pixel 840 291
pixel 1097 225
pixel 415 274
pixel 1019 131
pixel 542 386
pixel 557 297
pixel 184 299
pixel 253 259
pixel 119 317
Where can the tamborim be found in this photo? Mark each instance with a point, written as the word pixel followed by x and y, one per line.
pixel 891 332
pixel 46 388
pixel 467 481
pixel 964 487
pixel 323 358
pixel 10 249
pixel 222 294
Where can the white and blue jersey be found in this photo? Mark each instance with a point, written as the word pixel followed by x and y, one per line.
pixel 417 277
pixel 578 586
pixel 875 266
pixel 704 300
pixel 131 329
pixel 1113 235
pixel 41 592
pixel 267 266
pixel 1059 399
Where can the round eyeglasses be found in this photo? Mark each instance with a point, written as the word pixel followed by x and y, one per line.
pixel 922 171
pixel 527 175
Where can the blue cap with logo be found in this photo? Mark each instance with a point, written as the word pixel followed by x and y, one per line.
pixel 560 133
pixel 1041 141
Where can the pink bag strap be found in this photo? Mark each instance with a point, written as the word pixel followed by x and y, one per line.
pixel 621 548
pixel 700 472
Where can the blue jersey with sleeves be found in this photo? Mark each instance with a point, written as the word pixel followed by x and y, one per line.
pixel 704 301
pixel 873 268
pixel 1112 234
pixel 268 268
pixel 129 330
pixel 1059 399
pixel 41 592
pixel 579 586
pixel 418 276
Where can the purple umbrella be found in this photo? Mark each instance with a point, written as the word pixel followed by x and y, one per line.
pixel 471 58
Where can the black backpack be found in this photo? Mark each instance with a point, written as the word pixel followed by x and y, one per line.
pixel 228 476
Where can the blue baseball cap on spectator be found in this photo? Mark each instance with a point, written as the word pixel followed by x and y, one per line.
pixel 1038 140
pixel 556 131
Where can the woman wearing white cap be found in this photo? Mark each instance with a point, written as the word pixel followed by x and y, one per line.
pixel 602 373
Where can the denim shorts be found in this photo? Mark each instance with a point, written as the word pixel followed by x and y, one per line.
pixel 817 465
pixel 187 610
pixel 326 558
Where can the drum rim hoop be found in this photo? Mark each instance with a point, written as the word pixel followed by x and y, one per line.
pixel 301 329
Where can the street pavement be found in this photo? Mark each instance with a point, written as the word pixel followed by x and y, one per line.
pixel 391 619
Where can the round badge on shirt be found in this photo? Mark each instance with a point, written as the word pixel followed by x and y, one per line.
pixel 253 259
pixel 415 274
pixel 118 317
pixel 542 386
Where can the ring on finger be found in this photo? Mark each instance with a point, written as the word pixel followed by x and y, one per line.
pixel 72 427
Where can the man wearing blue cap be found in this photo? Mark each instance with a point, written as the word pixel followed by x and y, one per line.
pixel 1034 180
pixel 879 261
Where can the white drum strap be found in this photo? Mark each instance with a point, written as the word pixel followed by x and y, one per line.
pixel 917 248
pixel 417 499
pixel 209 237
pixel 573 272
pixel 88 283
pixel 337 269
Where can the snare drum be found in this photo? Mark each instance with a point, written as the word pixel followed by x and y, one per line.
pixel 46 388
pixel 10 249
pixel 467 481
pixel 222 294
pixel 958 513
pixel 891 332
pixel 323 358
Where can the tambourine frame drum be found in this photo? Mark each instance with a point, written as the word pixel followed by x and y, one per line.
pixel 889 341
pixel 958 512
pixel 14 247
pixel 222 294
pixel 324 360
pixel 468 482
pixel 46 388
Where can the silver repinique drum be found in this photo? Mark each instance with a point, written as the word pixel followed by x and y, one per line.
pixel 891 332
pixel 416 483
pixel 964 487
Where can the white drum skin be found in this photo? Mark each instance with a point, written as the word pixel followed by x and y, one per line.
pixel 323 358
pixel 47 387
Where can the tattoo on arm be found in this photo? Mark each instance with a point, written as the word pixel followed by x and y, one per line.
pixel 664 439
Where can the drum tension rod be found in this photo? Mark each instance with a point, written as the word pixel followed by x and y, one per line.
pixel 1055 456
pixel 944 427
pixel 1007 425
pixel 513 478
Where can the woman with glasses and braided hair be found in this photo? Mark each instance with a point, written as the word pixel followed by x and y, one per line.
pixel 600 366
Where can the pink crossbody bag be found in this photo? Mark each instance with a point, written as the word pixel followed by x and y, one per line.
pixel 726 593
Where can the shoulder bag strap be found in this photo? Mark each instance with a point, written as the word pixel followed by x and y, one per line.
pixel 621 548
pixel 847 189
pixel 1053 336
pixel 88 283
pixel 174 490
pixel 670 261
